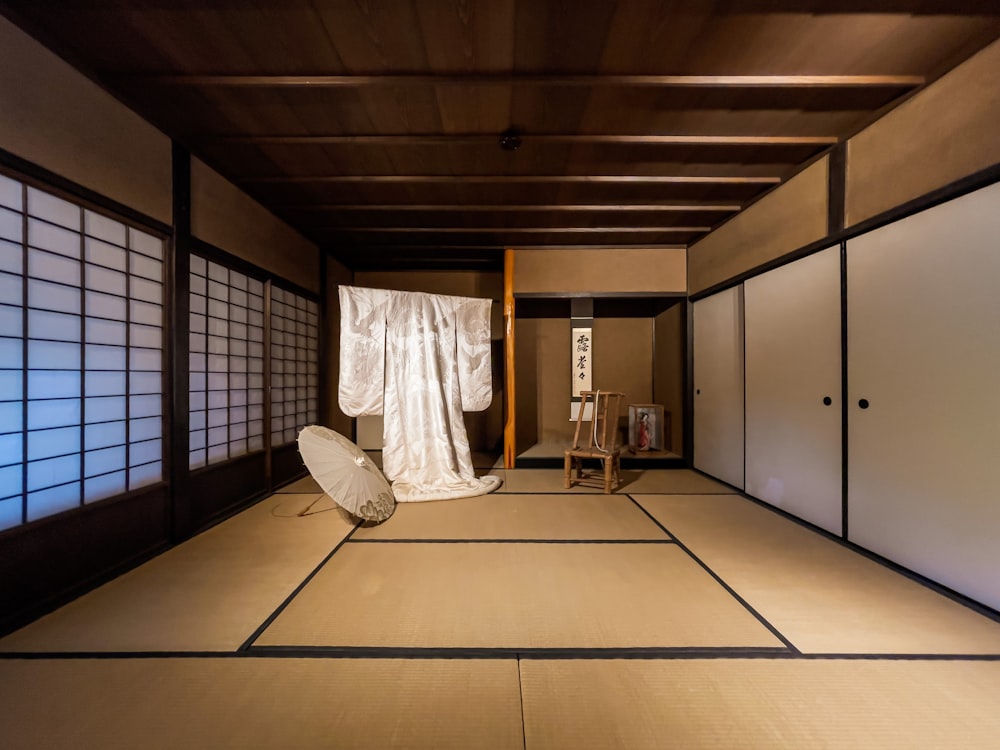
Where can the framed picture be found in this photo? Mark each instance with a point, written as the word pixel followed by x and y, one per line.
pixel 645 428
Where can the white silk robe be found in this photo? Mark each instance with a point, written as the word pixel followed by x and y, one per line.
pixel 420 360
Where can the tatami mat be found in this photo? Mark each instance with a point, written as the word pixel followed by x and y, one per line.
pixel 211 593
pixel 649 481
pixel 301 486
pixel 645 481
pixel 244 704
pixel 508 516
pixel 540 480
pixel 820 595
pixel 765 704
pixel 425 595
pixel 671 481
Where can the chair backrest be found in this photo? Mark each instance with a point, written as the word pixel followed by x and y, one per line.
pixel 603 422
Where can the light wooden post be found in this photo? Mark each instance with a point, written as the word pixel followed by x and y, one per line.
pixel 509 439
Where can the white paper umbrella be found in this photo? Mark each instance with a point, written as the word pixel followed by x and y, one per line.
pixel 346 474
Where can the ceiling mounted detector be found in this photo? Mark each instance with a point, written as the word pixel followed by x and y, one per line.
pixel 510 140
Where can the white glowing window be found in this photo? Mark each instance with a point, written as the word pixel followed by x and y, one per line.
pixel 55 442
pixel 104 228
pixel 294 361
pixel 103 486
pixel 11 225
pixel 81 363
pixel 53 500
pixel 104 435
pixel 10 513
pixel 103 255
pixel 45 236
pixel 226 320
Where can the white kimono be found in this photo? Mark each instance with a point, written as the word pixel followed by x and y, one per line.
pixel 421 360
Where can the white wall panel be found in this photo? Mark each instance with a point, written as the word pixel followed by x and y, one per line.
pixel 718 383
pixel 924 350
pixel 793 438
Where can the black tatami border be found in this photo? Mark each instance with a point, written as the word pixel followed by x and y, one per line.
pixel 626 491
pixel 540 654
pixel 520 696
pixel 291 597
pixel 718 579
pixel 402 652
pixel 948 593
pixel 512 541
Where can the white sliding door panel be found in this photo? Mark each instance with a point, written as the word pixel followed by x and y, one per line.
pixel 718 383
pixel 793 438
pixel 924 351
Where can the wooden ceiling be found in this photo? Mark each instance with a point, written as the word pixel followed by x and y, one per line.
pixel 374 127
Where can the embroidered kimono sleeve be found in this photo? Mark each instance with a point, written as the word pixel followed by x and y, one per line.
pixel 362 350
pixel 472 330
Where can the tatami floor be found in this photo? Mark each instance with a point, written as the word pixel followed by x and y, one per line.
pixel 675 613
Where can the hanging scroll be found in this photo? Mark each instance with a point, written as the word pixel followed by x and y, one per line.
pixel 581 352
pixel 581 360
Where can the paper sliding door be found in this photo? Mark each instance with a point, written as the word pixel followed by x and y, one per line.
pixel 924 385
pixel 718 383
pixel 793 389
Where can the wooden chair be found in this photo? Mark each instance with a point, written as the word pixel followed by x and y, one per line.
pixel 599 442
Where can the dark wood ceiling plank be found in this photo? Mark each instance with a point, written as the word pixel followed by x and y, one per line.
pixel 500 238
pixel 702 37
pixel 476 110
pixel 459 193
pixel 522 221
pixel 565 36
pixel 777 36
pixel 532 158
pixel 374 36
pixel 462 37
pixel 723 122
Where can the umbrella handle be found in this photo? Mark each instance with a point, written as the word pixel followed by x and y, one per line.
pixel 309 507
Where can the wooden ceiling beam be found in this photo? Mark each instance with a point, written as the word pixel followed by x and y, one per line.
pixel 512 179
pixel 577 81
pixel 506 207
pixel 445 139
pixel 499 246
pixel 512 230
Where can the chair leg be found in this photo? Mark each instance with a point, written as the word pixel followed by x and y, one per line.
pixel 609 465
pixel 567 471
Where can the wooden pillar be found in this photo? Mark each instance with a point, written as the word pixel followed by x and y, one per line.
pixel 178 362
pixel 509 435
pixel 268 447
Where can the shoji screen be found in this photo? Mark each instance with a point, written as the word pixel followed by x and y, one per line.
pixel 793 386
pixel 81 355
pixel 924 414
pixel 718 382
pixel 294 365
pixel 226 363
